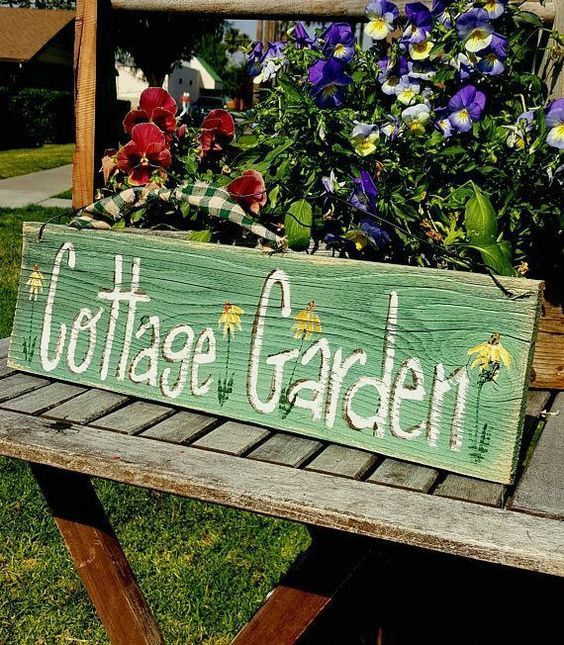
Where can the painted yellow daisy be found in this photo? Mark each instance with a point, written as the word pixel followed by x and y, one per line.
pixel 306 322
pixel 35 283
pixel 490 353
pixel 230 319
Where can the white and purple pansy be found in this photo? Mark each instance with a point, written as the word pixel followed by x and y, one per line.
pixel 491 58
pixel 419 23
pixel 555 124
pixel 495 7
pixel 339 41
pixel 466 107
pixel 442 124
pixel 391 72
pixel 416 117
pixel 364 138
pixel 381 18
pixel 407 89
pixel 519 133
pixel 475 29
pixel 328 80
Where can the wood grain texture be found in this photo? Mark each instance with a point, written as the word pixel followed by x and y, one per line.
pixel 404 475
pixel 471 490
pixel 181 427
pixel 404 331
pixel 428 521
pixel 283 8
pixel 342 461
pixel 552 67
pixel 548 364
pixel 87 407
pixel 133 417
pixel 44 399
pixel 98 557
pixel 541 488
pixel 4 346
pixel 233 438
pixel 286 449
pixel 18 384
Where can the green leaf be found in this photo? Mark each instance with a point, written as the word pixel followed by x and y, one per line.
pixel 200 236
pixel 480 219
pixel 298 225
pixel 273 195
pixel 496 256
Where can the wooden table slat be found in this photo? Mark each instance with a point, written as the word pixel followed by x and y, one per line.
pixel 181 427
pixel 403 474
pixel 342 461
pixel 88 407
pixel 536 402
pixel 232 438
pixel 428 521
pixel 134 417
pixel 4 346
pixel 44 398
pixel 471 490
pixel 18 384
pixel 286 449
pixel 5 370
pixel 541 488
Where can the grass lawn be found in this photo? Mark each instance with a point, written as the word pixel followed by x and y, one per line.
pixel 204 569
pixel 22 161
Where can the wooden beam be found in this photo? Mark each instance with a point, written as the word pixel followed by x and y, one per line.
pixel 98 556
pixel 552 68
pixel 284 8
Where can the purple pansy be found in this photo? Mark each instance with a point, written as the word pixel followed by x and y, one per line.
pixel 374 232
pixel 391 72
pixel 475 29
pixel 420 23
pixel 465 108
pixel 519 133
pixel 442 124
pixel 254 65
pixel 301 36
pixel 491 59
pixel 495 8
pixel 364 193
pixel 381 18
pixel 555 123
pixel 438 11
pixel 463 65
pixel 339 41
pixel 329 80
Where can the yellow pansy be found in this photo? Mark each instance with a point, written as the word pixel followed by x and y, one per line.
pixel 421 51
pixel 230 319
pixel 490 353
pixel 35 282
pixel 306 322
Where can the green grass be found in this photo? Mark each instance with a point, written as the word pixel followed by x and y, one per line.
pixel 22 161
pixel 204 569
pixel 67 194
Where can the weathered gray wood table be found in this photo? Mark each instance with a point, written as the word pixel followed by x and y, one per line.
pixel 69 433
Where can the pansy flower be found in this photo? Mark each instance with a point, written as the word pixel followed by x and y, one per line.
pixel 421 50
pixel 329 80
pixel 364 138
pixel 439 12
pixel 364 193
pixel 338 41
pixel 491 58
pixel 555 123
pixel 406 90
pixel 422 70
pixel 463 65
pixel 495 8
pixel 391 72
pixel 466 107
pixel 299 34
pixel 249 191
pixel 145 153
pixel 254 59
pixel 217 130
pixel 375 233
pixel 518 133
pixel 330 184
pixel 272 60
pixel 419 23
pixel 391 130
pixel 416 117
pixel 156 105
pixel 381 17
pixel 475 29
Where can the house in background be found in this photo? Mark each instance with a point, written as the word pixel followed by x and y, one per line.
pixel 195 77
pixel 36 48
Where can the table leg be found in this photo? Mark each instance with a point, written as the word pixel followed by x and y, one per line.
pixel 307 589
pixel 98 556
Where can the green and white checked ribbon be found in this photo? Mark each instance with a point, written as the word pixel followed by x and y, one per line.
pixel 217 201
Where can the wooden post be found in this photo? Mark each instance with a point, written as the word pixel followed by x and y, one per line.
pixel 552 68
pixel 98 556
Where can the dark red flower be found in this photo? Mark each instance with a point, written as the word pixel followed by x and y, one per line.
pixel 249 191
pixel 156 105
pixel 146 152
pixel 218 129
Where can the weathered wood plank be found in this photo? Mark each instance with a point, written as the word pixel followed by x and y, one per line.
pixel 44 399
pixel 4 345
pixel 548 364
pixel 4 369
pixel 377 376
pixel 536 403
pixel 232 438
pixel 404 475
pixel 286 450
pixel 98 556
pixel 471 490
pixel 181 427
pixel 285 8
pixel 541 488
pixel 88 407
pixel 429 521
pixel 134 417
pixel 18 384
pixel 343 461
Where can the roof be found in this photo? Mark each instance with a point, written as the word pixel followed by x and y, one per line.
pixel 209 69
pixel 26 31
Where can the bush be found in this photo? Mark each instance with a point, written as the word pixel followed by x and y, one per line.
pixel 36 116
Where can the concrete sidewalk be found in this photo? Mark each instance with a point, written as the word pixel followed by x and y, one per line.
pixel 37 188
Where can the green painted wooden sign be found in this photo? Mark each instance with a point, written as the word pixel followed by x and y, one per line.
pixel 425 365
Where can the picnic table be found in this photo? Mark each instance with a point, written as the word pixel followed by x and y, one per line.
pixel 349 498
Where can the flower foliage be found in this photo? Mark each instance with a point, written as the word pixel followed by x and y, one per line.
pixel 434 146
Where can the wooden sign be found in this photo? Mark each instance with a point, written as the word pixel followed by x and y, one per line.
pixel 425 365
